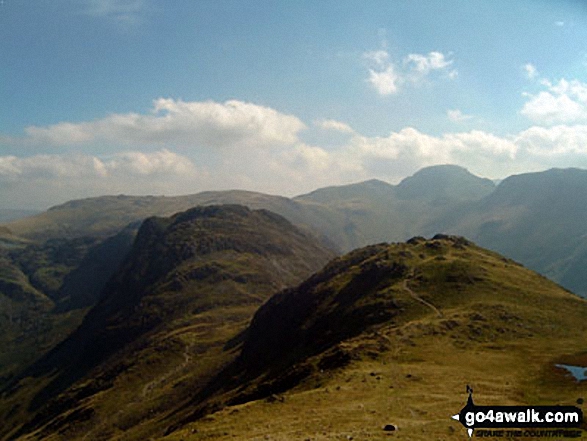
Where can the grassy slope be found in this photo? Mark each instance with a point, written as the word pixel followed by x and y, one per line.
pixel 190 284
pixel 502 329
pixel 44 293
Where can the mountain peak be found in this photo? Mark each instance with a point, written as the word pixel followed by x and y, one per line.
pixel 444 182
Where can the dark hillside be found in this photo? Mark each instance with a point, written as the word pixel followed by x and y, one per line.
pixel 189 283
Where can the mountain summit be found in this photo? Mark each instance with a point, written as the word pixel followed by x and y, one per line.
pixel 444 182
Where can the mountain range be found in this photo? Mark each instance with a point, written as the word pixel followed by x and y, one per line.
pixel 534 218
pixel 125 317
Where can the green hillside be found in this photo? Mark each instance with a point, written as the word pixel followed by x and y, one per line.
pixel 387 334
pixel 189 284
pixel 29 278
pixel 392 334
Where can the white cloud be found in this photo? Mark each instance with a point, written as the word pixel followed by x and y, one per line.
pixel 413 149
pixel 42 180
pixel 565 102
pixel 386 77
pixel 379 58
pixel 175 122
pixel 162 163
pixel 422 65
pixel 457 116
pixel 574 88
pixel 556 141
pixel 125 164
pixel 330 124
pixel 530 70
pixel 385 82
pixel 288 169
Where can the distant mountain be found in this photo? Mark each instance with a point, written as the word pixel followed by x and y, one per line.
pixel 393 334
pixel 374 211
pixel 373 188
pixel 535 218
pixel 444 183
pixel 10 214
pixel 189 283
pixel 105 216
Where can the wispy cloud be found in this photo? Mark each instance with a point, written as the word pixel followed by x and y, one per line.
pixel 126 13
pixel 387 77
pixel 331 124
pixel 530 70
pixel 422 65
pixel 457 116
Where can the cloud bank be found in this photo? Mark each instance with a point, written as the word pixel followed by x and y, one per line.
pixel 198 146
pixel 563 102
pixel 178 123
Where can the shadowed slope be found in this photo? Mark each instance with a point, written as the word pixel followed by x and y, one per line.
pixel 188 284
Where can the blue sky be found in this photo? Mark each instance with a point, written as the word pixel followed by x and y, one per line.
pixel 153 97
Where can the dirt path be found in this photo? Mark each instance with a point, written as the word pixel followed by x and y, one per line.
pixel 165 377
pixel 420 299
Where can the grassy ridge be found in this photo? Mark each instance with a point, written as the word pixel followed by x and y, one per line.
pixel 495 325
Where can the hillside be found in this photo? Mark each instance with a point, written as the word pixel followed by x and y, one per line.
pixel 374 211
pixel 387 334
pixel 189 284
pixel 392 334
pixel 536 219
pixel 31 276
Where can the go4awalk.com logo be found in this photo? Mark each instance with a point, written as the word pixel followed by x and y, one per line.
pixel 520 421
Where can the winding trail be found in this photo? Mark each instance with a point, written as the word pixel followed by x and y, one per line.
pixel 420 299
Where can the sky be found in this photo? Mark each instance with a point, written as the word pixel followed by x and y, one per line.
pixel 176 97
